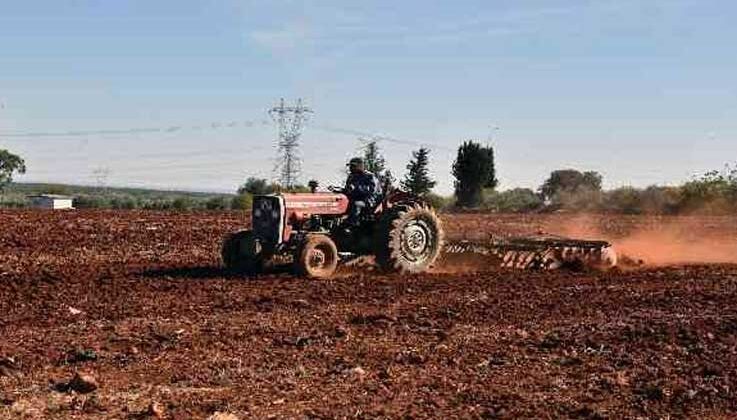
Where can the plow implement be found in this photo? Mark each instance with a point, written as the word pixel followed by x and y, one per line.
pixel 536 253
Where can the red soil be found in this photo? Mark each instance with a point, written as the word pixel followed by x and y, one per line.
pixel 161 322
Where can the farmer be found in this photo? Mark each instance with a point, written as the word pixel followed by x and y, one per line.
pixel 363 189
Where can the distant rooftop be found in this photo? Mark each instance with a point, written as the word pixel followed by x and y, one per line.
pixel 53 196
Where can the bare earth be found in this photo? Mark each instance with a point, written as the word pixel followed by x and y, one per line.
pixel 138 301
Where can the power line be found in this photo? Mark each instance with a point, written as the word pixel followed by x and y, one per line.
pixel 136 130
pixel 289 120
pixel 170 129
pixel 379 137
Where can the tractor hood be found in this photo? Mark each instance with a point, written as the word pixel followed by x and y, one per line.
pixel 304 205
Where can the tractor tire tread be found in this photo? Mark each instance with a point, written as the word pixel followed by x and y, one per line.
pixel 388 238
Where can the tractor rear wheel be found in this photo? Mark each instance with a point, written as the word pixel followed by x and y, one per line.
pixel 242 252
pixel 408 238
pixel 317 258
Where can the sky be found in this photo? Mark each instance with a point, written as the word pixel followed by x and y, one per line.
pixel 175 93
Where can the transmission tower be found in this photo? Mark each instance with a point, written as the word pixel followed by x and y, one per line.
pixel 101 176
pixel 289 120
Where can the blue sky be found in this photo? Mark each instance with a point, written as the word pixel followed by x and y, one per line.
pixel 642 91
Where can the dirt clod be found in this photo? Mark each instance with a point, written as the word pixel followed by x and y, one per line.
pixel 9 367
pixel 358 371
pixel 156 410
pixel 83 383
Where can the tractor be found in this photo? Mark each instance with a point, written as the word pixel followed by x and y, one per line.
pixel 307 232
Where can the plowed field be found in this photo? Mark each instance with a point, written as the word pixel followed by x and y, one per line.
pixel 138 301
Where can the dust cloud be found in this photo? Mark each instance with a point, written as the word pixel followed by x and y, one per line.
pixel 660 241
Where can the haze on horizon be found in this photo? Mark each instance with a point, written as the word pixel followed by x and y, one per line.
pixel 643 92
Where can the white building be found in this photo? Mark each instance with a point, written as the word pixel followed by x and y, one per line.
pixel 51 201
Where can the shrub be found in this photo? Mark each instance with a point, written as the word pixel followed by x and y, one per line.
pixel 660 200
pixel 124 202
pixel 438 202
pixel 182 203
pixel 581 199
pixel 626 200
pixel 91 202
pixel 217 203
pixel 714 192
pixel 241 202
pixel 13 201
pixel 513 201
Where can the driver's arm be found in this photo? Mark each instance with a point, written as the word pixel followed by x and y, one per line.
pixel 350 186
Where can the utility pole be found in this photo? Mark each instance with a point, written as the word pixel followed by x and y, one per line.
pixel 101 175
pixel 289 120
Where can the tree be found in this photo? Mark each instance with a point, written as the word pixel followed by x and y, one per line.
pixel 9 164
pixel 473 170
pixel 256 186
pixel 373 160
pixel 572 190
pixel 417 180
pixel 570 181
pixel 313 185
pixel 375 163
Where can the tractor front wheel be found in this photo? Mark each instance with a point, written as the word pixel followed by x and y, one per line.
pixel 242 252
pixel 317 258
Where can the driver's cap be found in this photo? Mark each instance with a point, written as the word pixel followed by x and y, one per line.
pixel 356 161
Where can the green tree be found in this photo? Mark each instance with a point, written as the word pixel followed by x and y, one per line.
pixel 474 171
pixel 257 186
pixel 375 163
pixel 313 185
pixel 417 180
pixel 373 160
pixel 570 181
pixel 9 164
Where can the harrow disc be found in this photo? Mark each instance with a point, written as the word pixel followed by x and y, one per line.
pixel 539 253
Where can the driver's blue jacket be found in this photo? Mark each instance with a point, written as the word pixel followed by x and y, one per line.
pixel 363 186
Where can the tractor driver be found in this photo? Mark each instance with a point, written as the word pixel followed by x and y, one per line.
pixel 363 190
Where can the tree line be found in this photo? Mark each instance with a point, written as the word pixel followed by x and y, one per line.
pixel 475 187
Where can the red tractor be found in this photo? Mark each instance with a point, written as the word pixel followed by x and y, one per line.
pixel 306 230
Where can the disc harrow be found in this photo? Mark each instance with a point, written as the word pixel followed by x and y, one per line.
pixel 539 253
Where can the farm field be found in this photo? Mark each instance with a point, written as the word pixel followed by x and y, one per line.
pixel 138 301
